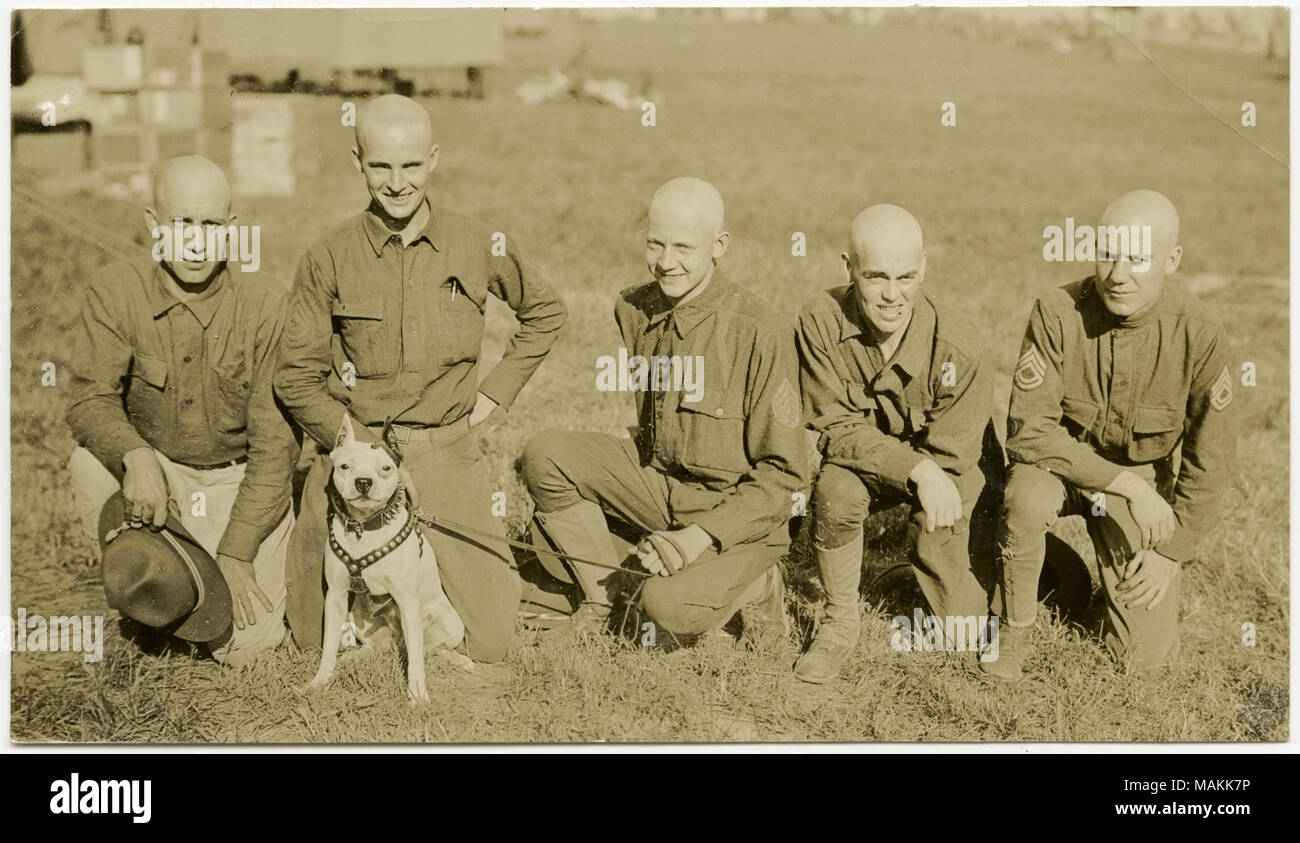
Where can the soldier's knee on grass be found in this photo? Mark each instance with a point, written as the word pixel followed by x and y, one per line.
pixel 841 503
pixel 662 601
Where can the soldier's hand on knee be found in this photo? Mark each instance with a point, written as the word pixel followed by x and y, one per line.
pixel 243 589
pixel 937 494
pixel 144 488
pixel 1154 516
pixel 1146 580
pixel 673 550
pixel 649 558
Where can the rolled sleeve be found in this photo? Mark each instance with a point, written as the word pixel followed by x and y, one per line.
pixel 847 439
pixel 1209 451
pixel 264 495
pixel 98 364
pixel 775 442
pixel 1035 434
pixel 301 376
pixel 541 314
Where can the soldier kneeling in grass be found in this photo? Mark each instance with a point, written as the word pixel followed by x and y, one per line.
pixel 897 385
pixel 172 404
pixel 1116 371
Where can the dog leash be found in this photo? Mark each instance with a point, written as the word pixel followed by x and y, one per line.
pixel 470 532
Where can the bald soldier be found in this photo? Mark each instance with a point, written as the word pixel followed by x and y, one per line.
pixel 708 481
pixel 386 322
pixel 1115 373
pixel 898 388
pixel 171 370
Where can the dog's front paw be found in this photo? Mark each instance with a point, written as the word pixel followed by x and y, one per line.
pixel 319 681
pixel 417 692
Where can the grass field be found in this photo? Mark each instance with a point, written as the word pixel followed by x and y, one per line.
pixel 799 125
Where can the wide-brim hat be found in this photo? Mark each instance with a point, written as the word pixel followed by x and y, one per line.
pixel 162 579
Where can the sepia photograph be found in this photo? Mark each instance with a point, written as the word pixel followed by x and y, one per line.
pixel 649 375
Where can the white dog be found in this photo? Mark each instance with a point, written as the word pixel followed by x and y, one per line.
pixel 377 552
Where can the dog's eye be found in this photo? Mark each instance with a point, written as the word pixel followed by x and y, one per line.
pixel 344 466
pixel 385 468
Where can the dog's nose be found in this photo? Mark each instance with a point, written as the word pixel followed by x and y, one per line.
pixel 364 484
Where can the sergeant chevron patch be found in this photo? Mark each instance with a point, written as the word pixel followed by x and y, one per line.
pixel 1221 392
pixel 1031 368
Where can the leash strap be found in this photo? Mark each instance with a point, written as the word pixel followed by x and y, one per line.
pixel 470 532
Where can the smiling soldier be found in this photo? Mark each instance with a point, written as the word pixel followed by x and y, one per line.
pixel 898 387
pixel 1116 371
pixel 171 397
pixel 386 322
pixel 708 483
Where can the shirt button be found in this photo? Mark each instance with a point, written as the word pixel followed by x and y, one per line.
pixel 188 358
pixel 717 412
pixel 189 401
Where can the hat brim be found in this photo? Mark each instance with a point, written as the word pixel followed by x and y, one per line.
pixel 211 618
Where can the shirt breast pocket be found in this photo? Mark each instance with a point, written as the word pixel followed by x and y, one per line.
pixel 234 387
pixel 145 396
pixel 1156 431
pixel 464 306
pixel 1079 416
pixel 713 434
pixel 858 398
pixel 363 336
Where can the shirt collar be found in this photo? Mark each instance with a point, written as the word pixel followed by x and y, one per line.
pixel 691 313
pixel 204 306
pixel 912 354
pixel 379 234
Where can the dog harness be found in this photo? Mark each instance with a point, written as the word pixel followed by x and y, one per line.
pixel 355 565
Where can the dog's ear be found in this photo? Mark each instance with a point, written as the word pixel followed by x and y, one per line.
pixel 345 434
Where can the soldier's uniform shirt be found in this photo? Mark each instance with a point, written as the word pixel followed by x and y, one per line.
pixel 375 325
pixel 378 327
pixel 1093 393
pixel 932 399
pixel 190 379
pixel 734 458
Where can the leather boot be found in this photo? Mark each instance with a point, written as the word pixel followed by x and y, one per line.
pixel 841 571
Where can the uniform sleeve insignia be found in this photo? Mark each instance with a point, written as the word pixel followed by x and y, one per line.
pixel 786 405
pixel 1221 392
pixel 1031 368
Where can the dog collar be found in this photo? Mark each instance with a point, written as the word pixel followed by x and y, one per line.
pixel 374 522
pixel 355 565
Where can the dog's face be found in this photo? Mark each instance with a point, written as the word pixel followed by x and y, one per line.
pixel 365 474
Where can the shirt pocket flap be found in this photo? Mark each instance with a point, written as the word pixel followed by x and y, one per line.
pixel 858 397
pixel 717 403
pixel 470 288
pixel 1082 413
pixel 1156 419
pixel 371 307
pixel 152 370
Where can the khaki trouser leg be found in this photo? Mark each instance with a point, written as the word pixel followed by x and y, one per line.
pixel 581 530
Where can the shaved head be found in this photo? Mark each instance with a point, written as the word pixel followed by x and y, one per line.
pixel 886 265
pixel 190 180
pixel 1137 248
pixel 396 153
pixel 195 191
pixel 685 235
pixel 1146 207
pixel 393 115
pixel 886 234
pixel 690 198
